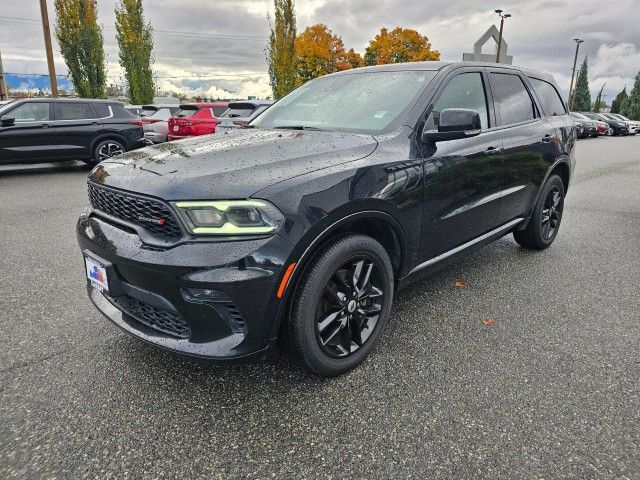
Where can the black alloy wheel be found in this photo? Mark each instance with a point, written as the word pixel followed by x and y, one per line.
pixel 340 304
pixel 543 226
pixel 552 212
pixel 350 307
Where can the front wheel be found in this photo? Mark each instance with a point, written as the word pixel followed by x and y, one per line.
pixel 341 305
pixel 545 220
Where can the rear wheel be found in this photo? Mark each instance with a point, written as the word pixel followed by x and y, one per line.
pixel 341 305
pixel 106 149
pixel 545 220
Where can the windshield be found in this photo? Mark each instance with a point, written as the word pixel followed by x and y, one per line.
pixel 368 102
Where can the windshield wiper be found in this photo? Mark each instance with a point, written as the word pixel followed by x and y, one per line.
pixel 296 127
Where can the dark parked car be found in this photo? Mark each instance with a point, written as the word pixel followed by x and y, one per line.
pixel 589 126
pixel 241 113
pixel 618 127
pixel 37 130
pixel 305 225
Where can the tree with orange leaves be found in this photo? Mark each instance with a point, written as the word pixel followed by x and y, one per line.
pixel 320 52
pixel 399 45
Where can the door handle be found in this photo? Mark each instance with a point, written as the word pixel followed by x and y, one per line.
pixel 491 151
pixel 547 138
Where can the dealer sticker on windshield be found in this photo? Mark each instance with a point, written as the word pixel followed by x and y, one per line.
pixel 96 274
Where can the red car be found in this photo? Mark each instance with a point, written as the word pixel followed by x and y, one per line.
pixel 195 119
pixel 603 128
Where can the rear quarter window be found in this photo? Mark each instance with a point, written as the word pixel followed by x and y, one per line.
pixel 218 111
pixel 186 112
pixel 549 97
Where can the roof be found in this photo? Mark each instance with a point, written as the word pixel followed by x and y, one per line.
pixel 68 100
pixel 251 103
pixel 434 66
pixel 203 104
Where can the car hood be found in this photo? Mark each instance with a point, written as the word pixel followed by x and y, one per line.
pixel 231 164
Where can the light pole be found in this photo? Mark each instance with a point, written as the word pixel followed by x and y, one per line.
pixel 502 17
pixel 573 73
pixel 47 45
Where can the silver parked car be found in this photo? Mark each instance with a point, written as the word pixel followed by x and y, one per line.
pixel 155 120
pixel 241 113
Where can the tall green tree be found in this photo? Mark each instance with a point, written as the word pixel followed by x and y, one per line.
pixel 599 103
pixel 81 45
pixel 135 39
pixel 631 106
pixel 618 102
pixel 582 95
pixel 281 51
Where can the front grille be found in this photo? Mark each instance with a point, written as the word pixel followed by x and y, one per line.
pixel 135 209
pixel 166 322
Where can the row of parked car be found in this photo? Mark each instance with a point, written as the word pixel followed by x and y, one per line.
pixel 52 129
pixel 163 123
pixel 590 124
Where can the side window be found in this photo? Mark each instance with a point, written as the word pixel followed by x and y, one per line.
pixel 217 111
pixel 463 91
pixel 30 112
pixel 549 97
pixel 511 98
pixel 73 111
pixel 102 109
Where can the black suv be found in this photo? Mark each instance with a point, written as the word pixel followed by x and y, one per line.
pixel 305 224
pixel 45 130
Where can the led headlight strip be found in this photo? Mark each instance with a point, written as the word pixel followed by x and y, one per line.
pixel 233 217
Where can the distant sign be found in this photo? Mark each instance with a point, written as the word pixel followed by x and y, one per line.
pixel 478 56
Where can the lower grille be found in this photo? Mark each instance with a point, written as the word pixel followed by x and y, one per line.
pixel 166 322
pixel 152 215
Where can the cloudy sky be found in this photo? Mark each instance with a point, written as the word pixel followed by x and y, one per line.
pixel 216 48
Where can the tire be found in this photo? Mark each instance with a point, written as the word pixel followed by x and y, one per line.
pixel 326 312
pixel 105 149
pixel 544 224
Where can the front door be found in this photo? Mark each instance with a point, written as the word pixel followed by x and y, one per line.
pixel 31 137
pixel 461 182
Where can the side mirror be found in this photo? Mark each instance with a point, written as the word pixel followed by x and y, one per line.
pixel 7 122
pixel 454 123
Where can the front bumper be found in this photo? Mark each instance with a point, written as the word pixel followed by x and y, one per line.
pixel 150 290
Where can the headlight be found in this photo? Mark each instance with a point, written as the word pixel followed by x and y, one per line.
pixel 230 217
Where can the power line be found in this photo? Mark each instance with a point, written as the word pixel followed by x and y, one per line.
pixel 177 33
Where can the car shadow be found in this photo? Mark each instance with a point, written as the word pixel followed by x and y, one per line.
pixel 31 168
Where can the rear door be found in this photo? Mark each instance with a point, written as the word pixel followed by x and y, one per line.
pixel 76 126
pixel 31 138
pixel 461 176
pixel 530 143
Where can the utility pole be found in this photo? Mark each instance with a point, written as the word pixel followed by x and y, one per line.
pixel 47 45
pixel 573 74
pixel 502 17
pixel 4 91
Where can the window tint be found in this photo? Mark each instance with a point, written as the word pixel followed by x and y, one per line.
pixel 463 91
pixel 511 99
pixel 218 111
pixel 238 112
pixel 102 109
pixel 549 97
pixel 73 111
pixel 30 112
pixel 187 111
pixel 148 111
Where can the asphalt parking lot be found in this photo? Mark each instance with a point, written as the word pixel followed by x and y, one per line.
pixel 549 389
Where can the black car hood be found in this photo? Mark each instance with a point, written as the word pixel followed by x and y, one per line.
pixel 233 164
